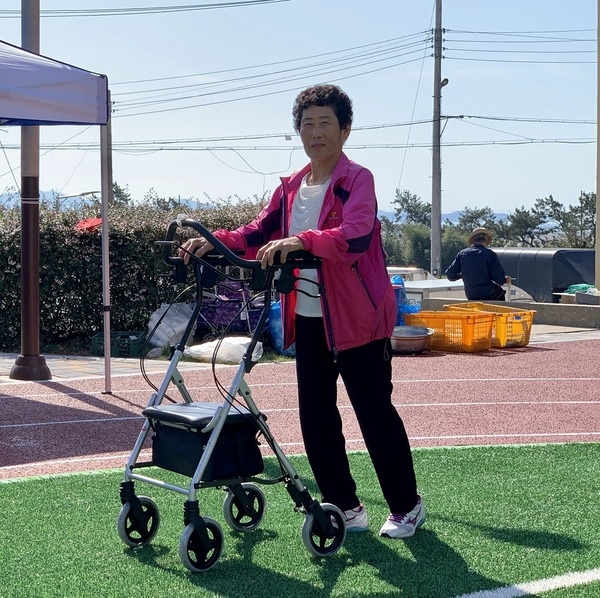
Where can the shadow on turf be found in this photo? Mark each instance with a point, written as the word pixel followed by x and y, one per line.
pixel 523 537
pixel 434 569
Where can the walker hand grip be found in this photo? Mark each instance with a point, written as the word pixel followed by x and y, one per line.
pixel 299 259
pixel 168 244
pixel 220 248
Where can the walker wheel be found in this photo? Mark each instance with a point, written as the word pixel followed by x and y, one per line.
pixel 134 532
pixel 193 553
pixel 244 518
pixel 320 542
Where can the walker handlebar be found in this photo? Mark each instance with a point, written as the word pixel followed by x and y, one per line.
pixel 297 259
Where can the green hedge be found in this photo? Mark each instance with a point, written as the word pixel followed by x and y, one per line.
pixel 71 268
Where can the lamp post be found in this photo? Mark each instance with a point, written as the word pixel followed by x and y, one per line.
pixel 59 198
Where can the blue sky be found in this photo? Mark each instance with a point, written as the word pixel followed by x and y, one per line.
pixel 521 96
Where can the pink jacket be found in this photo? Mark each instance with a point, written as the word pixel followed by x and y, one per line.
pixel 358 302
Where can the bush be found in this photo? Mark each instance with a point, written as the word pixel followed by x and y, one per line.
pixel 71 305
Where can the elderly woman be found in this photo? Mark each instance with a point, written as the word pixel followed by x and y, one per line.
pixel 340 318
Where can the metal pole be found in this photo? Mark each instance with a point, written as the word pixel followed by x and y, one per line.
pixel 106 169
pixel 30 365
pixel 436 172
pixel 597 252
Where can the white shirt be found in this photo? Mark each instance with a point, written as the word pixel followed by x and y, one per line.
pixel 306 210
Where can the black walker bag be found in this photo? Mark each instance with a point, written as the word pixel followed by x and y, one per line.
pixel 178 444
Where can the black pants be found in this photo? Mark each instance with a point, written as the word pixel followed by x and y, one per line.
pixel 499 294
pixel 366 372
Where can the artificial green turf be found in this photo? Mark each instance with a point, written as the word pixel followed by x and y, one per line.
pixel 496 516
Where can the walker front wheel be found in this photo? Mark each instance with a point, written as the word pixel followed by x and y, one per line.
pixel 135 531
pixel 322 542
pixel 194 553
pixel 244 513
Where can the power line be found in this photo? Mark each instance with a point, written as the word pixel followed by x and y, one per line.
pixel 109 12
pixel 152 148
pixel 267 93
pixel 520 33
pixel 522 51
pixel 287 134
pixel 522 61
pixel 294 76
pixel 279 62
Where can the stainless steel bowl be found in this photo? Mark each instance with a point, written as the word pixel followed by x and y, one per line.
pixel 411 339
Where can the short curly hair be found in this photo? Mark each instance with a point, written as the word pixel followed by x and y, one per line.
pixel 324 95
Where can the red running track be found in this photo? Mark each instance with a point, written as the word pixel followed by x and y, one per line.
pixel 536 394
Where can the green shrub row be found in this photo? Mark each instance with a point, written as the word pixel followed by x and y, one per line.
pixel 71 305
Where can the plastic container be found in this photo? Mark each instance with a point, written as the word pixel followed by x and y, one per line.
pixel 122 344
pixel 456 330
pixel 512 326
pixel 276 331
pixel 400 292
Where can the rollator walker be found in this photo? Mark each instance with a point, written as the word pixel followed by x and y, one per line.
pixel 215 444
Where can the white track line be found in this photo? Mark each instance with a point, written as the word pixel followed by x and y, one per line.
pixel 403 406
pixel 122 457
pixel 533 588
pixel 146 389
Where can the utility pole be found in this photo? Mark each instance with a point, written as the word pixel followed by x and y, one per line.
pixel 30 365
pixel 436 172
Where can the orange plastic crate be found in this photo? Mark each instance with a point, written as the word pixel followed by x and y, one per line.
pixel 455 330
pixel 512 326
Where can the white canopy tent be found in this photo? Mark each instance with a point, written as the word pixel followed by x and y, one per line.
pixel 36 90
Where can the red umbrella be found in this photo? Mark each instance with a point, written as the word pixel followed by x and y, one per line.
pixel 89 224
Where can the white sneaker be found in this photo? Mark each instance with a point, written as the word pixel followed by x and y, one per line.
pixel 404 526
pixel 357 519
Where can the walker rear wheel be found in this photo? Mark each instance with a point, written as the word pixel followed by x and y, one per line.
pixel 320 542
pixel 244 518
pixel 194 554
pixel 133 531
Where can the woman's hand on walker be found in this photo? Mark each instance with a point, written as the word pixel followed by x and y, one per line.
pixel 198 246
pixel 266 254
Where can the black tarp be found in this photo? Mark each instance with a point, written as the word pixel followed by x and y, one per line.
pixel 542 272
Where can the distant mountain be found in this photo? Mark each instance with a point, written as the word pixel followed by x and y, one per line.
pixel 451 216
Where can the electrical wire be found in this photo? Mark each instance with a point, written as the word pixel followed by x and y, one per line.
pixel 268 65
pixel 414 107
pixel 108 12
pixel 120 106
pixel 11 170
pixel 261 95
pixel 522 61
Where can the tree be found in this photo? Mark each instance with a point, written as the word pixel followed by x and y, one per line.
pixel 10 196
pixel 527 228
pixel 392 242
pixel 121 195
pixel 410 208
pixel 471 218
pixel 575 225
pixel 162 203
pixel 453 240
pixel 416 241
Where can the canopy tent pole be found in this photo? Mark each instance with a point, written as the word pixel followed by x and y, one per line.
pixel 30 365
pixel 106 175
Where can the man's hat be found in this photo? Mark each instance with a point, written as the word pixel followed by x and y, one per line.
pixel 480 231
